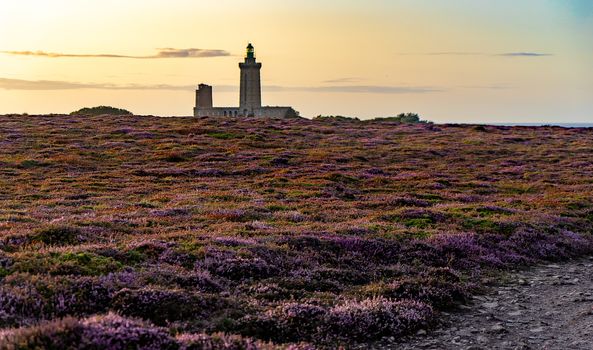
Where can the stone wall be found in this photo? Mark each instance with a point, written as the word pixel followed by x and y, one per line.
pixel 269 112
pixel 275 112
pixel 216 112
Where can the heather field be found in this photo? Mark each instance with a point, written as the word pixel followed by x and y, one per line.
pixel 186 233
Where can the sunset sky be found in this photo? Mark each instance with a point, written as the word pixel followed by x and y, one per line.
pixel 450 61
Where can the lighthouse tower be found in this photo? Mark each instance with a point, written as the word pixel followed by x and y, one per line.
pixel 250 99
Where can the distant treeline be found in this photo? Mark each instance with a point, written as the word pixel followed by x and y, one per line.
pixel 101 110
pixel 409 118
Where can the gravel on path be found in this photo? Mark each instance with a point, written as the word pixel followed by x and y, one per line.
pixel 545 307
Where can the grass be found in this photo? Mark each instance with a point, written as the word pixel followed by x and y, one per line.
pixel 280 230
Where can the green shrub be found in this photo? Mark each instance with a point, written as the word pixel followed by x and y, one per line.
pixel 418 222
pixel 223 135
pixel 30 163
pixel 174 157
pixel 101 110
pixel 338 118
pixel 488 226
pixel 82 264
pixel 57 235
pixel 409 118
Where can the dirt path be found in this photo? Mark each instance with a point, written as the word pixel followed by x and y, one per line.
pixel 546 307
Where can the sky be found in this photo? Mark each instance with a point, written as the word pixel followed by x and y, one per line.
pixel 450 61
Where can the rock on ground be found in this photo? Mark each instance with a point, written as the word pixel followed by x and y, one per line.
pixel 546 307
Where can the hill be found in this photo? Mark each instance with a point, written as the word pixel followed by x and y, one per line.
pixel 101 110
pixel 278 230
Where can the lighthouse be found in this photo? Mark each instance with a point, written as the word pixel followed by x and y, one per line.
pixel 250 91
pixel 249 99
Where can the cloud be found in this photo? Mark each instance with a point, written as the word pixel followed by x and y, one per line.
pixel 452 53
pixel 460 53
pixel 185 53
pixel 19 84
pixel 374 89
pixel 524 54
pixel 487 87
pixel 342 80
pixel 364 89
pixel 162 53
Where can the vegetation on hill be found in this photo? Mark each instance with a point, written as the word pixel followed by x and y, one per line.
pixel 410 118
pixel 336 118
pixel 101 110
pixel 164 233
pixel 407 118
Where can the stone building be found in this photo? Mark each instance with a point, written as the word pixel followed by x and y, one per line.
pixel 249 98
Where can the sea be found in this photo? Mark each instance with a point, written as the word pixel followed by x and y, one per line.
pixel 564 125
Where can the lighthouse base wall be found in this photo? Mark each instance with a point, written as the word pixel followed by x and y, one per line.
pixel 262 112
